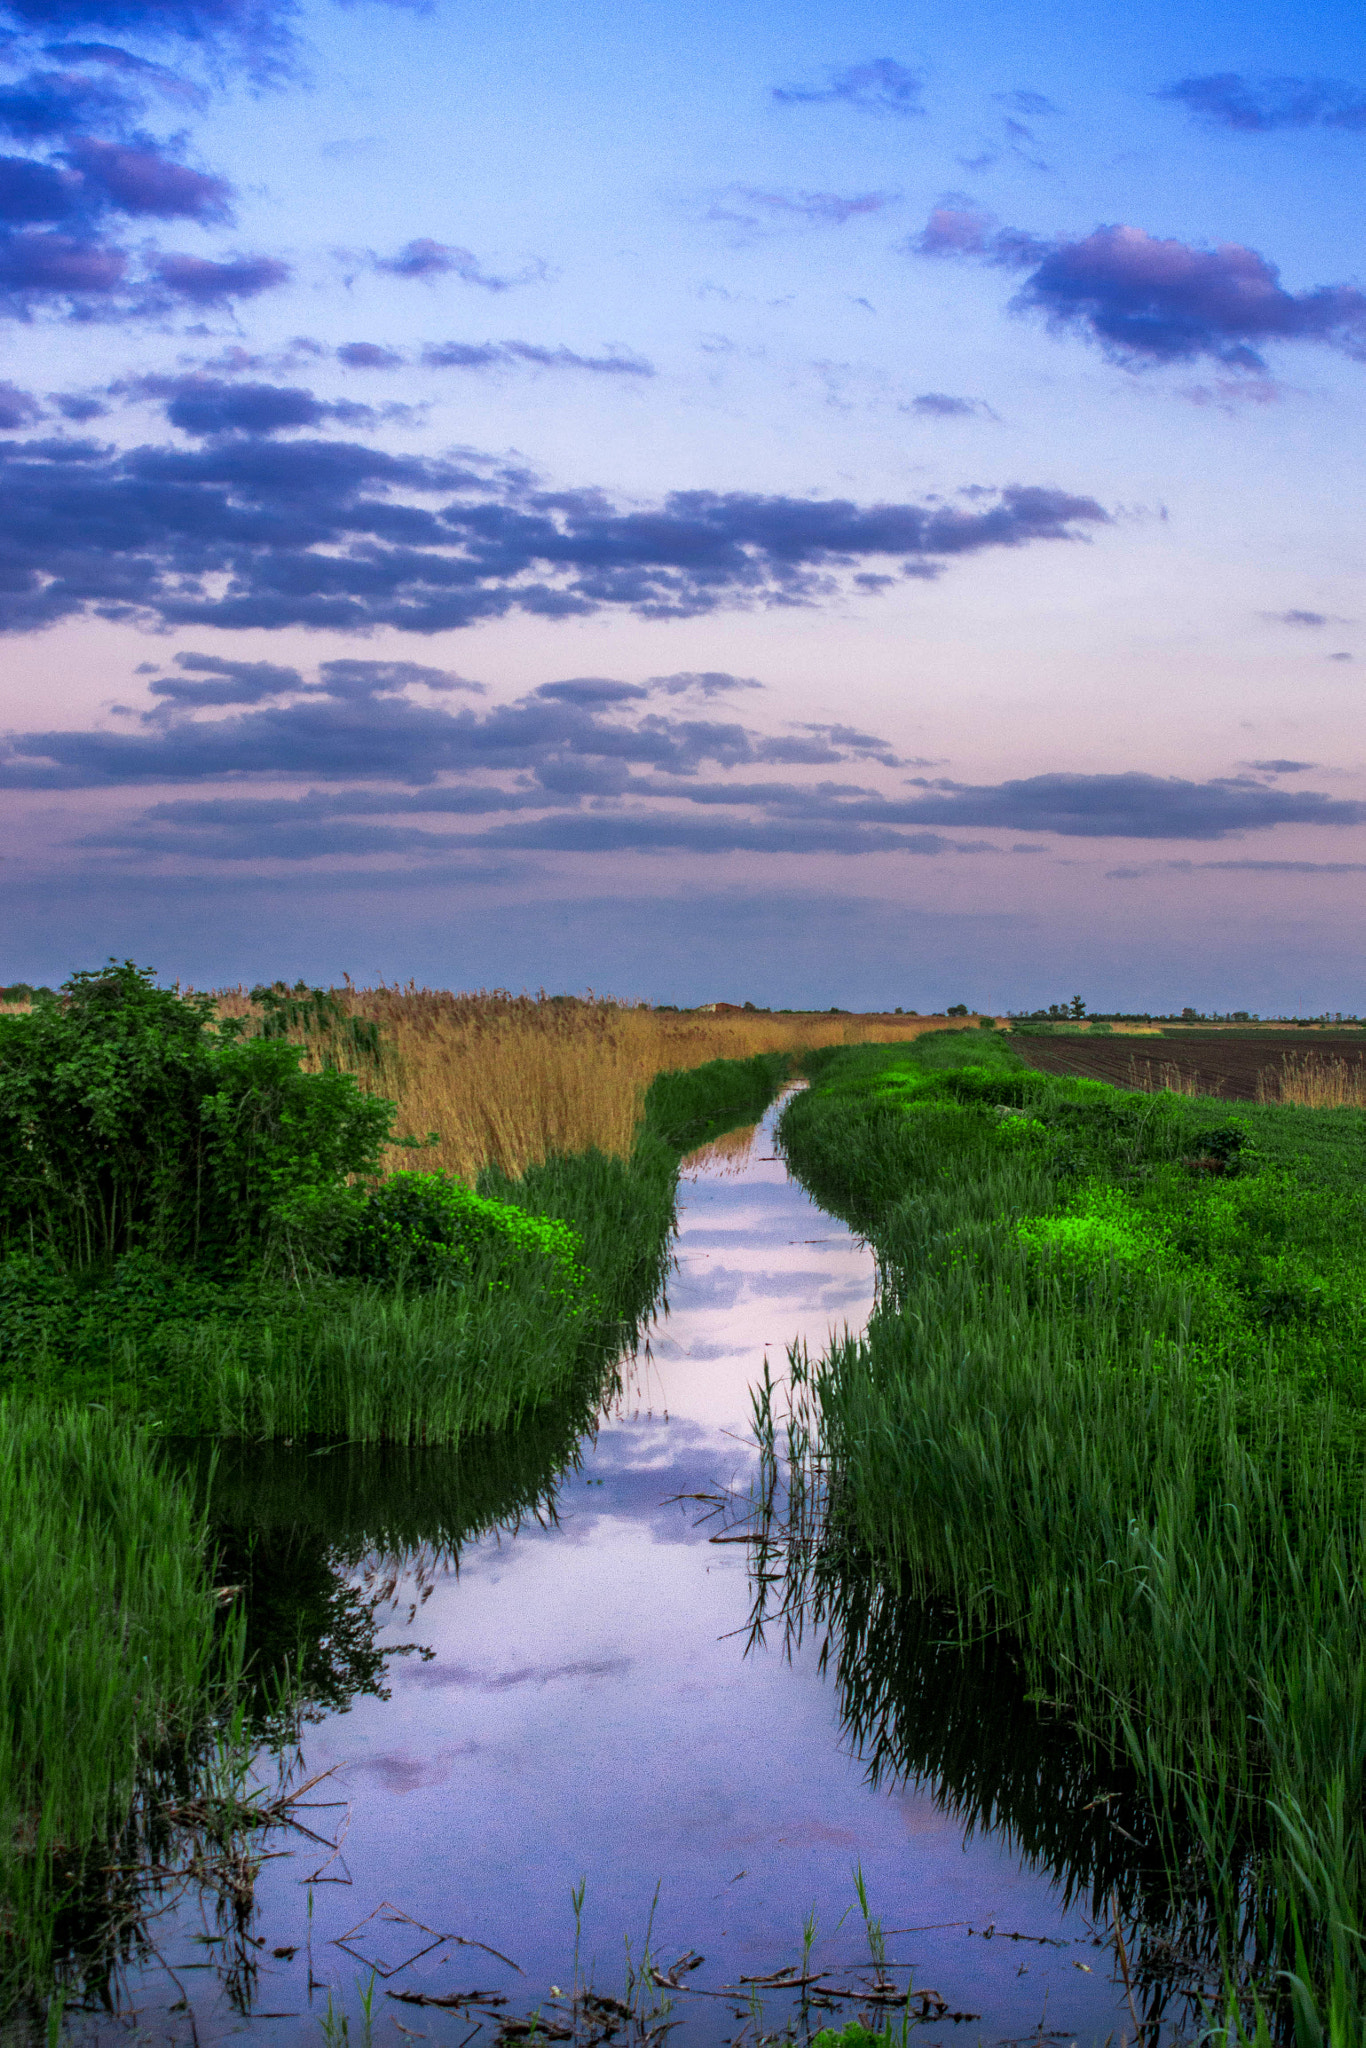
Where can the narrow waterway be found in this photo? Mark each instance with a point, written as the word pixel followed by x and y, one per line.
pixel 573 1700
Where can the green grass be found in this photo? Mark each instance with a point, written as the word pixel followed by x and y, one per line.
pixel 1111 1402
pixel 110 1653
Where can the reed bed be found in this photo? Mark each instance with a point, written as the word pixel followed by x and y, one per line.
pixel 509 1081
pixel 1313 1081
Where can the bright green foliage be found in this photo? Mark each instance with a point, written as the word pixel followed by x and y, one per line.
pixel 1113 1400
pixel 417 1311
pixel 419 1225
pixel 128 1123
pixel 853 2036
pixel 370 1365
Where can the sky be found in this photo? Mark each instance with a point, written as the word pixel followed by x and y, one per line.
pixel 819 505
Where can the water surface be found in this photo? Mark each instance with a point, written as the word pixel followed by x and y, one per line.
pixel 508 1711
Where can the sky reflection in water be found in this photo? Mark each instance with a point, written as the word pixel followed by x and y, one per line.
pixel 582 1705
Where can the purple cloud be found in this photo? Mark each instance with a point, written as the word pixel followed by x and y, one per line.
pixel 207 405
pixel 595 759
pixel 46 104
pixel 50 265
pixel 425 258
pixel 1226 99
pixel 258 33
pixel 368 355
pixel 881 86
pixel 206 679
pixel 32 191
pixel 138 179
pixel 1146 300
pixel 78 406
pixel 488 355
pixel 703 683
pixel 1131 806
pixel 17 408
pixel 248 531
pixel 941 405
pixel 202 282
pixel 752 206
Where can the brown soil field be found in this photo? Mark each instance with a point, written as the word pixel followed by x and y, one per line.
pixel 1242 1066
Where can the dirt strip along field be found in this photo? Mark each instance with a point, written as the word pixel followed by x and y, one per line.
pixel 1226 1063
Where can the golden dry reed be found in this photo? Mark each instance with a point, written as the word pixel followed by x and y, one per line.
pixel 507 1080
pixel 1314 1082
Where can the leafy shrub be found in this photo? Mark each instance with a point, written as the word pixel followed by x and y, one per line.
pixel 128 1122
pixel 426 1226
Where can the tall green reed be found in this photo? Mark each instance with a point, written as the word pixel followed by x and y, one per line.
pixel 110 1653
pixel 1179 1554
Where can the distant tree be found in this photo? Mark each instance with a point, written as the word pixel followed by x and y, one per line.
pixel 1076 1008
pixel 956 1010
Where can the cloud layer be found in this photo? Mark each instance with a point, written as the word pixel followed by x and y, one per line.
pixel 397 768
pixel 83 167
pixel 1227 99
pixel 879 86
pixel 1148 300
pixel 251 531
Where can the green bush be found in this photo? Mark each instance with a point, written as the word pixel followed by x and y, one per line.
pixel 128 1122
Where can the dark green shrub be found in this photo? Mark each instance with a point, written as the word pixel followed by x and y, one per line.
pixel 128 1121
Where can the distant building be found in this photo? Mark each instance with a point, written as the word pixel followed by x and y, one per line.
pixel 716 1009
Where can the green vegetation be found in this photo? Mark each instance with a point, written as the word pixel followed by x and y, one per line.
pixel 196 1243
pixel 1113 1403
pixel 110 1654
pixel 197 1235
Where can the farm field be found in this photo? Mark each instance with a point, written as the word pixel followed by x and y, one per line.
pixel 1238 1066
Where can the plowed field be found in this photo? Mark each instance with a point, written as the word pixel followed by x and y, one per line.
pixel 1224 1063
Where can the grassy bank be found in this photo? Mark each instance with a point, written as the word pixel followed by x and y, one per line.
pixel 456 1338
pixel 198 1231
pixel 199 1243
pixel 1111 1402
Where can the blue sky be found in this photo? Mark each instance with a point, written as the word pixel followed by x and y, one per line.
pixel 807 505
